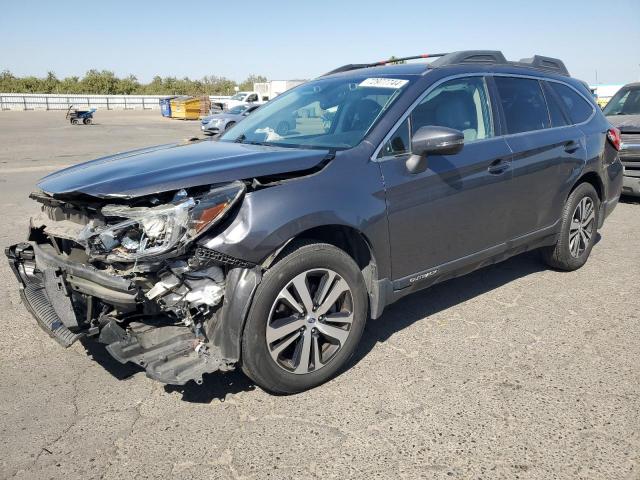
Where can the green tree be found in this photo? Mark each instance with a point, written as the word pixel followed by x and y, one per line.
pixel 128 85
pixel 251 79
pixel 105 82
pixel 50 84
pixel 392 60
pixel 70 85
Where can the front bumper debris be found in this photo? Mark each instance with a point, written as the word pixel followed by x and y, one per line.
pixel 169 354
pixel 169 350
pixel 34 295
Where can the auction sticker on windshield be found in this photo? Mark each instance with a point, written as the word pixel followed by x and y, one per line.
pixel 383 83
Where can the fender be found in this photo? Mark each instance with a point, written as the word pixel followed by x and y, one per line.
pixel 225 328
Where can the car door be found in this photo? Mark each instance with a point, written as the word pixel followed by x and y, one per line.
pixel 459 205
pixel 546 150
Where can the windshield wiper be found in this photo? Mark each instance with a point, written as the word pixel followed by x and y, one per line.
pixel 243 139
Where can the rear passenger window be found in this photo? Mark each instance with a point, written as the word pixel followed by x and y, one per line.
pixel 523 104
pixel 579 109
pixel 558 118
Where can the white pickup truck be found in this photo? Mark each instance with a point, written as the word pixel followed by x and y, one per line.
pixel 240 98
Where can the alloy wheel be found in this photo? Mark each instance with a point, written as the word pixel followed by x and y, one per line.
pixel 310 321
pixel 582 227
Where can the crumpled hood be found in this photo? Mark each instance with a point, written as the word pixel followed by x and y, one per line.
pixel 170 167
pixel 626 123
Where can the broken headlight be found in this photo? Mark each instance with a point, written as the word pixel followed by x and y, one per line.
pixel 152 231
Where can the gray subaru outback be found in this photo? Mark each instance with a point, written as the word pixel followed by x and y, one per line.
pixel 268 251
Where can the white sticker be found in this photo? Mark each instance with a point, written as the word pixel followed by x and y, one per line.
pixel 383 83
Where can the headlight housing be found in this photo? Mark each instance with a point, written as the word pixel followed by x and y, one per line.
pixel 154 231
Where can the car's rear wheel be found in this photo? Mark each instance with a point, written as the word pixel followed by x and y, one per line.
pixel 578 230
pixel 306 319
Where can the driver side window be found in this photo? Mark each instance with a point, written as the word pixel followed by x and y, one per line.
pixel 462 104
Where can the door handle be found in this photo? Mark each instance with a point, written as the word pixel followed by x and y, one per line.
pixel 498 166
pixel 571 146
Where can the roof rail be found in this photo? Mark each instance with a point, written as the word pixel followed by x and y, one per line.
pixel 483 57
pixel 470 56
pixel 356 66
pixel 546 63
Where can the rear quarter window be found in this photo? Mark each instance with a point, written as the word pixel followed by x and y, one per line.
pixel 577 107
pixel 556 111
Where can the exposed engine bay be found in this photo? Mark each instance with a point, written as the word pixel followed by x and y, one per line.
pixel 131 274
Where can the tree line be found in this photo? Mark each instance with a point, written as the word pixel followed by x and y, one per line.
pixel 105 82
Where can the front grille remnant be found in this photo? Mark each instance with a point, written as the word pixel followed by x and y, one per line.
pixel 208 254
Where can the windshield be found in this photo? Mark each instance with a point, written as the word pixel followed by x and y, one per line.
pixel 238 96
pixel 237 110
pixel 625 102
pixel 327 113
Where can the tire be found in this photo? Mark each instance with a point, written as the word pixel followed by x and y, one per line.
pixel 315 263
pixel 74 121
pixel 576 226
pixel 229 125
pixel 87 121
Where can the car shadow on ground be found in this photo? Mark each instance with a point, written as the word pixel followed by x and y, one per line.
pixel 630 200
pixel 396 317
pixel 425 303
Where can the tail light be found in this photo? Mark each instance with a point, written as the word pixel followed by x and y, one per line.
pixel 613 134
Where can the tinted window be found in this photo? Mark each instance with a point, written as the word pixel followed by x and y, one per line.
pixel 578 108
pixel 625 102
pixel 398 144
pixel 555 110
pixel 461 104
pixel 523 104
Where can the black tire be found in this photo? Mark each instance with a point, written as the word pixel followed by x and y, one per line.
pixel 87 121
pixel 74 121
pixel 559 256
pixel 229 125
pixel 257 362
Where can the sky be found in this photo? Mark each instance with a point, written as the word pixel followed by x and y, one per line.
pixel 304 38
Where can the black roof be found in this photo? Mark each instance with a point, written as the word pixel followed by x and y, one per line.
pixel 467 57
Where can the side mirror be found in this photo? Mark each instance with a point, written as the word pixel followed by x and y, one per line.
pixel 433 140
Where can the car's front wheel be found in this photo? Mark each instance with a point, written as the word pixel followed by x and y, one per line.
pixel 306 319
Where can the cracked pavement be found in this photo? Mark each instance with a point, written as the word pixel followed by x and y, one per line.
pixel 513 371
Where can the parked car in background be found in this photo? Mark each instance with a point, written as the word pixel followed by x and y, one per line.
pixel 219 122
pixel 623 111
pixel 240 98
pixel 269 252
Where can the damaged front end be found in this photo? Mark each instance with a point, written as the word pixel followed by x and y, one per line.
pixel 130 273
